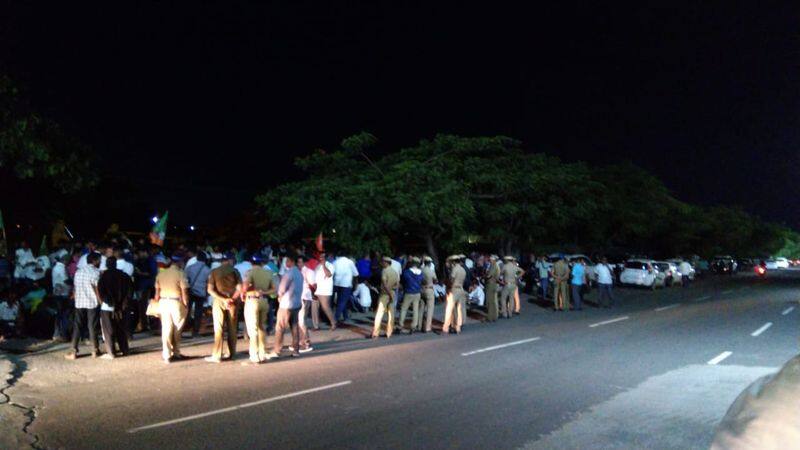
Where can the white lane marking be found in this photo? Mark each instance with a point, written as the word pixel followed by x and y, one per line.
pixel 705 297
pixel 495 347
pixel 727 292
pixel 606 322
pixel 719 358
pixel 242 406
pixel 664 308
pixel 761 330
pixel 787 310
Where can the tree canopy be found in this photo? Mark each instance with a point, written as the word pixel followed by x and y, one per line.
pixel 449 192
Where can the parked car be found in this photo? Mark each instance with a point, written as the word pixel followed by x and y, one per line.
pixel 670 271
pixel 782 263
pixel 724 265
pixel 771 264
pixel 642 272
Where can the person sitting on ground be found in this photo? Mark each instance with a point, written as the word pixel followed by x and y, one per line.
pixel 9 314
pixel 363 295
pixel 476 294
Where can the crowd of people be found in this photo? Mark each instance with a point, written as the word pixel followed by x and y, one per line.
pixel 120 288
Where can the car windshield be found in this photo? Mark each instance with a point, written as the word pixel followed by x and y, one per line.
pixel 637 265
pixel 662 267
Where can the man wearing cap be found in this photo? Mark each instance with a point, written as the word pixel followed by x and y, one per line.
pixel 224 284
pixel 561 275
pixel 171 286
pixel 456 309
pixel 412 286
pixel 510 274
pixel 492 279
pixel 257 285
pixel 389 283
pixel 428 280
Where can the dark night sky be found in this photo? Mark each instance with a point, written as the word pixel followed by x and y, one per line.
pixel 225 96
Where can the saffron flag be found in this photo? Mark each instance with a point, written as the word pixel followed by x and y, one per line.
pixel 319 242
pixel 159 231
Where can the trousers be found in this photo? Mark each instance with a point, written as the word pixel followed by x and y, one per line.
pixel 455 311
pixel 198 303
pixel 561 296
pixel 255 320
pixel 507 300
pixel 430 299
pixel 491 301
pixel 85 317
pixel 114 331
pixel 607 298
pixel 224 318
pixel 287 319
pixel 576 296
pixel 384 306
pixel 545 282
pixel 343 297
pixel 410 300
pixel 173 315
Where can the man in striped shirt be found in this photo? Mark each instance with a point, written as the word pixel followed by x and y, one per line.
pixel 86 303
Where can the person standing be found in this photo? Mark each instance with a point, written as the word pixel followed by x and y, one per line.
pixel 428 281
pixel 257 285
pixel 685 269
pixel 510 274
pixel 224 286
pixel 61 292
pixel 343 274
pixel 492 279
pixel 290 293
pixel 116 289
pixel 170 292
pixel 605 281
pixel 578 281
pixel 412 286
pixel 561 280
pixel 456 308
pixel 544 275
pixel 145 271
pixel 197 276
pixel 86 303
pixel 389 284
pixel 323 278
pixel 307 297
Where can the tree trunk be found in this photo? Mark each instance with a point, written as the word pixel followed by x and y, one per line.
pixel 431 249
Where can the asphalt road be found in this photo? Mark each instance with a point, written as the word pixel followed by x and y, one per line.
pixel 651 373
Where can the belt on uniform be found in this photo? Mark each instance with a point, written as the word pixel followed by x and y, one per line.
pixel 253 297
pixel 169 298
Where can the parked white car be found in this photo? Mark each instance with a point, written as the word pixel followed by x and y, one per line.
pixel 782 263
pixel 670 271
pixel 642 272
pixel 771 264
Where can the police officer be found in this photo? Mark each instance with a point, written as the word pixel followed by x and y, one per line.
pixel 258 284
pixel 172 298
pixel 492 279
pixel 412 286
pixel 428 280
pixel 456 308
pixel 390 281
pixel 510 274
pixel 224 286
pixel 561 275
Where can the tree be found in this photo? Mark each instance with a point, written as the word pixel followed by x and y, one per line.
pixel 34 147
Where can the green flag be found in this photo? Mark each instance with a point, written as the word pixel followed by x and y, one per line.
pixel 43 246
pixel 159 231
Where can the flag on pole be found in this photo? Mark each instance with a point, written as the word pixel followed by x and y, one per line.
pixel 3 243
pixel 43 246
pixel 159 231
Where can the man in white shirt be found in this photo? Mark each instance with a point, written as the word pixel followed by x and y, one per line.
pixel 543 270
pixel 476 294
pixel 123 265
pixel 323 278
pixel 344 271
pixel 23 260
pixel 685 269
pixel 61 291
pixel 243 267
pixel 87 299
pixel 605 281
pixel 363 295
pixel 309 280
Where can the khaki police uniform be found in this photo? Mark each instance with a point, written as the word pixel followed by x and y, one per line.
pixel 492 280
pixel 510 273
pixel 224 280
pixel 390 281
pixel 561 291
pixel 171 284
pixel 428 279
pixel 256 310
pixel 456 309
